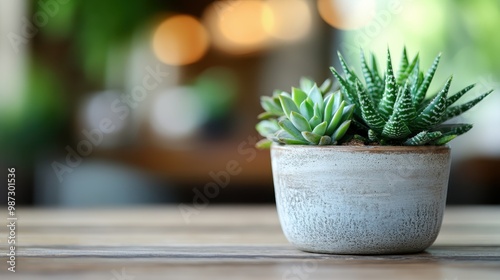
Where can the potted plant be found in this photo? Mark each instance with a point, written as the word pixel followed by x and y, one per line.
pixel 364 169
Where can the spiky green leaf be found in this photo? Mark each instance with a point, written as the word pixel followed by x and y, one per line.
pixel 386 105
pixel 371 116
pixel 443 140
pixel 368 75
pixel 402 77
pixel 454 111
pixel 422 138
pixel 453 129
pixel 403 65
pixel 422 90
pixel 395 128
pixel 346 88
pixel 434 112
pixel 454 98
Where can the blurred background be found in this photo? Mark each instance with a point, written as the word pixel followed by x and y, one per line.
pixel 145 101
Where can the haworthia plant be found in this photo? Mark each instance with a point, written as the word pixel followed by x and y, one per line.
pixel 310 115
pixel 392 109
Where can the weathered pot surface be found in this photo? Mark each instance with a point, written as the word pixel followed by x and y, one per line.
pixel 360 200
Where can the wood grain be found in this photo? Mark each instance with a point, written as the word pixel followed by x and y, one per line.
pixel 230 243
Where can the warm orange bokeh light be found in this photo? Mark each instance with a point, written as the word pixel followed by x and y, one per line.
pixel 347 14
pixel 238 26
pixel 289 20
pixel 180 40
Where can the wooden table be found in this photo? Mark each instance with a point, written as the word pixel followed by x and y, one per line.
pixel 229 243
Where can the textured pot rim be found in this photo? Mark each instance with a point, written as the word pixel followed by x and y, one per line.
pixel 368 149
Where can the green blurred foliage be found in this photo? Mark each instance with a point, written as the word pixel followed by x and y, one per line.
pixel 41 117
pixel 96 28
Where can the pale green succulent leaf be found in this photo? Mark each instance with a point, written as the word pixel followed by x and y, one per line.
pixel 266 116
pixel 269 105
pixel 288 126
pixel 326 86
pixel 320 129
pixel 311 137
pixel 267 127
pixel 306 84
pixel 299 122
pixel 328 114
pixel 335 121
pixel 306 109
pixel 298 96
pixel 341 131
pixel 325 140
pixel 263 144
pixel 288 105
pixel 314 121
pixel 316 96
pixel 318 111
pixel 285 138
pixel 347 112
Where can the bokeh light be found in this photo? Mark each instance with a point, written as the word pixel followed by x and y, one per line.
pixel 180 40
pixel 289 20
pixel 237 27
pixel 347 14
pixel 177 113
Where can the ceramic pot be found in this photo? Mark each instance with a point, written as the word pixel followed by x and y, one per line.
pixel 360 200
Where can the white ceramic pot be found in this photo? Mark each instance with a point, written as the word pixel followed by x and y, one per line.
pixel 360 200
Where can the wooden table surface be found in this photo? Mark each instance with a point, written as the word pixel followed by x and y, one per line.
pixel 228 242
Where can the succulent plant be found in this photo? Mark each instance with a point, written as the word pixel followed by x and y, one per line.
pixel 393 110
pixel 310 115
